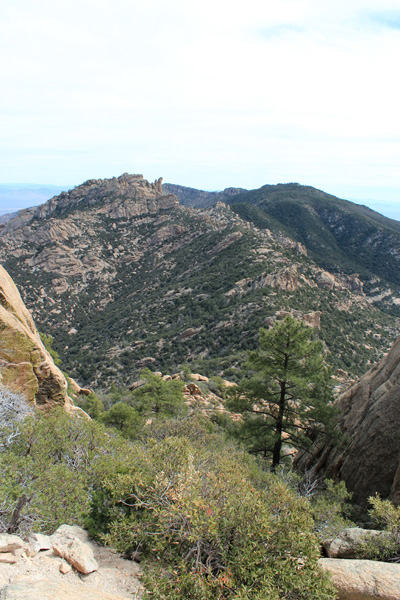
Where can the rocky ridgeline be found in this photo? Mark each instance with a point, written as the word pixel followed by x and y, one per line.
pixel 67 564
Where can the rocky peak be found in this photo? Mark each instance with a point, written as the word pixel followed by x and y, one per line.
pixel 119 197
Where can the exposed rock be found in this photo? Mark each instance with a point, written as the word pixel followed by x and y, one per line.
pixel 44 573
pixel 370 419
pixel 313 319
pixel 75 552
pixel 192 390
pixel 363 579
pixel 10 543
pixel 350 541
pixel 38 542
pixel 326 280
pixel 65 568
pixel 73 531
pixel 33 589
pixel 145 362
pixel 8 557
pixel 25 365
pixel 198 377
pixel 227 241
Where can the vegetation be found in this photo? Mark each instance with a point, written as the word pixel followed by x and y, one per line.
pixel 177 300
pixel 334 231
pixel 385 546
pixel 206 520
pixel 289 395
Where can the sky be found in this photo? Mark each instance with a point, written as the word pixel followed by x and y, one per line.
pixel 208 94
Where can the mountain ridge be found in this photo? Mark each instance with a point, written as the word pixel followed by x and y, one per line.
pixel 123 276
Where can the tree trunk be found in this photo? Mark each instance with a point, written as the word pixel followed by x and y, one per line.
pixel 276 456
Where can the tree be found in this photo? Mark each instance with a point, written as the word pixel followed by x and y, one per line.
pixel 123 417
pixel 288 398
pixel 159 397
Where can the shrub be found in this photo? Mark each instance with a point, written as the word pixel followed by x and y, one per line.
pixel 384 547
pixel 213 526
pixel 50 470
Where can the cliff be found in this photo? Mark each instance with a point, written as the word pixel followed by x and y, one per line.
pixel 25 365
pixel 370 420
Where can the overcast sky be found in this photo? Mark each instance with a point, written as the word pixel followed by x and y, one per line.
pixel 209 93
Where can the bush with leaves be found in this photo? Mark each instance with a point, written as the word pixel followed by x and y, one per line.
pixel 158 397
pixel 212 525
pixel 123 417
pixel 49 471
pixel 385 547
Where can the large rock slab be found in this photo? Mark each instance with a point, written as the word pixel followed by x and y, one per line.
pixel 370 420
pixel 30 589
pixel 363 579
pixel 25 365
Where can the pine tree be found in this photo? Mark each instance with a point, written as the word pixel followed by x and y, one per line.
pixel 288 397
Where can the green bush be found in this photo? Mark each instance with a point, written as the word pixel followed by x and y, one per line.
pixel 50 470
pixel 212 526
pixel 385 547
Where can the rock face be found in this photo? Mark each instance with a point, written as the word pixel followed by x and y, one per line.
pixel 25 365
pixel 371 421
pixel 363 579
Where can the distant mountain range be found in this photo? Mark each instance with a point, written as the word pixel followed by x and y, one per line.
pixel 15 197
pixel 125 274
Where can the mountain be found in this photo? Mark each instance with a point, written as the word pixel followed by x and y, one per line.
pixel 188 196
pixel 338 234
pixel 123 276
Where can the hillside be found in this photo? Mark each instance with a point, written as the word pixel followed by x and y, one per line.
pixel 123 277
pixel 338 234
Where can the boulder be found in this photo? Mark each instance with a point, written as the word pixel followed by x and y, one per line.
pixel 71 532
pixel 8 557
pixel 350 541
pixel 370 420
pixel 76 553
pixel 363 579
pixel 37 542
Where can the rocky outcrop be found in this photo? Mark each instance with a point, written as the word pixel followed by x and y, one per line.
pixel 25 365
pixel 370 420
pixel 36 569
pixel 286 279
pixel 363 579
